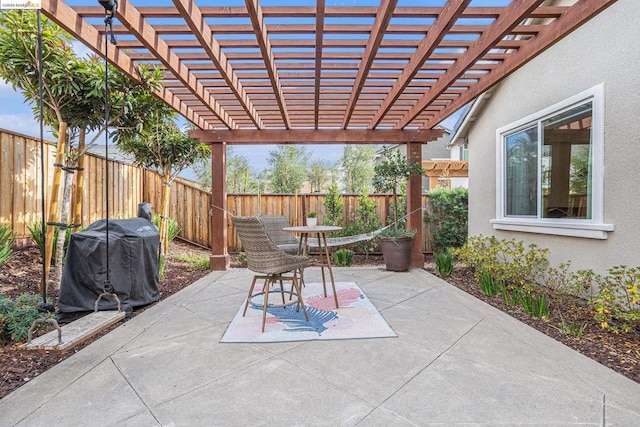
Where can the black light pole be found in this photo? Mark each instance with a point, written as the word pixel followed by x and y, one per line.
pixel 110 8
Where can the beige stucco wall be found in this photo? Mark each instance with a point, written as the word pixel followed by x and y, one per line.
pixel 604 50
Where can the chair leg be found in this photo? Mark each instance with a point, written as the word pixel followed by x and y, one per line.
pixel 281 288
pixel 265 303
pixel 296 285
pixel 253 284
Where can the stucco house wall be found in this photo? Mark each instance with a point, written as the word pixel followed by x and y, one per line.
pixel 605 50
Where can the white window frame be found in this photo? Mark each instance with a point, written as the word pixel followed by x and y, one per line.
pixel 593 228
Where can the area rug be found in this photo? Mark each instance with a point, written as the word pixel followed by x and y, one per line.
pixel 356 318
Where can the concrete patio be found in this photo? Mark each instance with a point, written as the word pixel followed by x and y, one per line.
pixel 456 360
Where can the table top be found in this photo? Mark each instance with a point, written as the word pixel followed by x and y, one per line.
pixel 313 229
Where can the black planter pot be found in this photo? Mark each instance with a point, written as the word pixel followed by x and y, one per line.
pixel 397 252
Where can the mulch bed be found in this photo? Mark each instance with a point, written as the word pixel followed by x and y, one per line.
pixel 620 352
pixel 22 273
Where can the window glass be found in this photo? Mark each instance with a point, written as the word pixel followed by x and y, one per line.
pixel 521 172
pixel 566 164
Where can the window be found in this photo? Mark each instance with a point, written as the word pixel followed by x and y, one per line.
pixel 550 168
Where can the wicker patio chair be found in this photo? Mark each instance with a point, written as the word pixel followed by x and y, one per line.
pixel 271 263
pixel 284 240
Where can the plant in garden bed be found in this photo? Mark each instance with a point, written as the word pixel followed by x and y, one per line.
pixel 490 287
pixel 343 257
pixel 17 316
pixel 35 230
pixel 444 263
pixel 195 262
pixel 6 243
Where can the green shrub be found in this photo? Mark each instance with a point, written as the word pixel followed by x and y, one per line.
pixel 506 260
pixel 448 218
pixel 343 257
pixel 173 228
pixel 334 207
pixel 572 328
pixel 6 243
pixel 444 263
pixel 366 220
pixel 17 316
pixel 35 229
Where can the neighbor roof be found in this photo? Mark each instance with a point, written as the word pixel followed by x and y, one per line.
pixel 264 64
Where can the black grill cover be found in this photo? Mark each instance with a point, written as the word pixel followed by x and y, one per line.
pixel 133 266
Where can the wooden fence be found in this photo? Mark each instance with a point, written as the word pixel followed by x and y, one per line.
pixel 20 201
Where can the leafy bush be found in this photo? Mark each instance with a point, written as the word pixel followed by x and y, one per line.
pixel 35 230
pixel 17 316
pixel 444 263
pixel 6 243
pixel 506 260
pixel 448 218
pixel 173 228
pixel 343 257
pixel 366 220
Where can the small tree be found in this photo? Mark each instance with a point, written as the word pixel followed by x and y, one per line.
pixel 163 148
pixel 334 207
pixel 390 175
pixel 318 175
pixel 357 166
pixel 288 168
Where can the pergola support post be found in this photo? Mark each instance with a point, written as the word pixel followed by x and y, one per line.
pixel 414 205
pixel 219 259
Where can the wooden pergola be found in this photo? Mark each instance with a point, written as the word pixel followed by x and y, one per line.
pixel 379 72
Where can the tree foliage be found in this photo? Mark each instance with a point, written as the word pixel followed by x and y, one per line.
pixel 288 168
pixel 358 168
pixel 319 175
pixel 392 174
pixel 334 207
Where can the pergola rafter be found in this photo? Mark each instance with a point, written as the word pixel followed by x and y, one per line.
pixel 79 28
pixel 565 24
pixel 513 14
pixel 193 17
pixel 259 28
pixel 383 17
pixel 317 66
pixel 137 25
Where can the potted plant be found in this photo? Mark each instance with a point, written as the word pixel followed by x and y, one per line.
pixel 396 241
pixel 312 219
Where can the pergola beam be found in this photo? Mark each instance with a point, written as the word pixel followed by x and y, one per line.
pixel 259 28
pixel 570 19
pixel 317 136
pixel 383 17
pixel 202 31
pixel 508 20
pixel 445 20
pixel 137 25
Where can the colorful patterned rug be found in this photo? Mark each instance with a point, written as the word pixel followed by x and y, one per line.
pixel 357 317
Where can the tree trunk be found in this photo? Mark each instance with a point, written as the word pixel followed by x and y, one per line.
pixel 64 217
pixel 54 196
pixel 164 214
pixel 79 196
